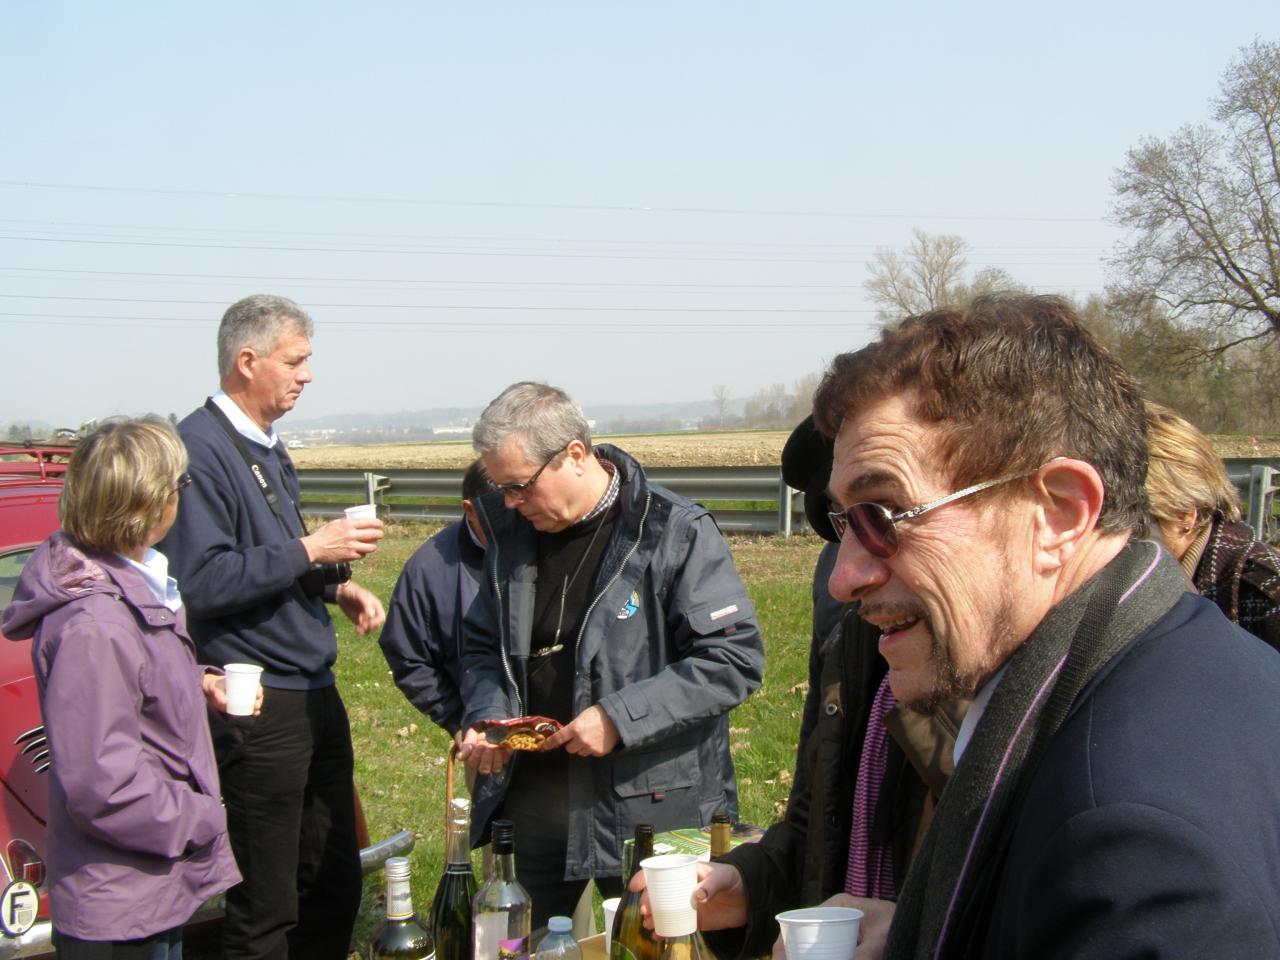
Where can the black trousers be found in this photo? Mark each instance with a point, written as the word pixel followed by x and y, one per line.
pixel 537 803
pixel 162 946
pixel 287 784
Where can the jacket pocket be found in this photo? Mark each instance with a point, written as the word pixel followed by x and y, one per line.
pixel 718 615
pixel 655 771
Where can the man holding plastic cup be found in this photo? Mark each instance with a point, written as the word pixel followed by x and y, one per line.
pixel 257 586
pixel 988 478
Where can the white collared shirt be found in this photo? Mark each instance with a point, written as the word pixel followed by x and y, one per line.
pixel 154 569
pixel 244 423
pixel 974 714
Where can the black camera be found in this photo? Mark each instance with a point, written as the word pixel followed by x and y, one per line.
pixel 323 575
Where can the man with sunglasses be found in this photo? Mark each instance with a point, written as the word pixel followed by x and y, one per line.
pixel 612 606
pixel 1116 780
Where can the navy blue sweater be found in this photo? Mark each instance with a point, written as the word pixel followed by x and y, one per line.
pixel 238 567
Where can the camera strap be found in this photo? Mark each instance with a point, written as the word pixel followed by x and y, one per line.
pixel 273 501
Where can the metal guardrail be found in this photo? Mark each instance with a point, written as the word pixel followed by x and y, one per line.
pixel 434 494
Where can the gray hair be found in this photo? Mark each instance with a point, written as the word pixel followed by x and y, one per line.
pixel 256 322
pixel 543 419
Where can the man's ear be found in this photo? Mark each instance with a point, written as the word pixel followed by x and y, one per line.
pixel 1069 497
pixel 578 452
pixel 246 360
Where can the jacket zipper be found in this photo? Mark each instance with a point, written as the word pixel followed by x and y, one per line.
pixel 502 621
pixel 648 498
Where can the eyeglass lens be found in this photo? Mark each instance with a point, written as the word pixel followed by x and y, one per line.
pixel 872 524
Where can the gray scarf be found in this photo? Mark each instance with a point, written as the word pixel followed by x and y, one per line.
pixel 943 900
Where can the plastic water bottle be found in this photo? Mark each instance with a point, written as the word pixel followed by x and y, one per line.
pixel 559 944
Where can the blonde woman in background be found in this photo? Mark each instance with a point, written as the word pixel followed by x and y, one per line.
pixel 137 831
pixel 1198 510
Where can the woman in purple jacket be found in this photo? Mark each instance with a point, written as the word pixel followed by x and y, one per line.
pixel 137 832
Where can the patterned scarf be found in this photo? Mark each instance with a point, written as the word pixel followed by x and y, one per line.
pixel 870 870
pixel 942 906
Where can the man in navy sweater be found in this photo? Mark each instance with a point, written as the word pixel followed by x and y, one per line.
pixel 256 585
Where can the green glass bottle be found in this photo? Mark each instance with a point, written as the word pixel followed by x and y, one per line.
pixel 400 937
pixel 451 908
pixel 630 940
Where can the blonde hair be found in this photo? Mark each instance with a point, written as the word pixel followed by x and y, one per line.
pixel 1184 473
pixel 119 480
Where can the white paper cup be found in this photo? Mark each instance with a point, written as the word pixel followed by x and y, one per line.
pixel 362 511
pixel 610 908
pixel 243 680
pixel 820 933
pixel 671 879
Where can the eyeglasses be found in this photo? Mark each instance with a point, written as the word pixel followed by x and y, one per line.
pixel 521 490
pixel 877 529
pixel 184 481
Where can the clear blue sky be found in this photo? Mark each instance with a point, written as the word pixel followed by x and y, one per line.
pixel 633 201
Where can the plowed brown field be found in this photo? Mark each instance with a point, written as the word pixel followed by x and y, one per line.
pixel 752 448
pixel 756 448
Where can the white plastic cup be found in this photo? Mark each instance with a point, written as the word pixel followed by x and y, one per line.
pixel 820 933
pixel 610 908
pixel 362 511
pixel 243 681
pixel 671 879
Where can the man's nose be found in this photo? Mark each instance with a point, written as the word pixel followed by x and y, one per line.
pixel 856 571
pixel 511 499
pixel 304 372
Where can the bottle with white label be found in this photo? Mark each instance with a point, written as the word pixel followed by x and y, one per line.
pixel 401 936
pixel 502 911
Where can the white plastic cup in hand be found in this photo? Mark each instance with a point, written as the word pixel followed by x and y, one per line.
pixel 362 511
pixel 670 880
pixel 820 933
pixel 243 680
pixel 610 908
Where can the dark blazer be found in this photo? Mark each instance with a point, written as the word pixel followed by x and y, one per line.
pixel 1151 827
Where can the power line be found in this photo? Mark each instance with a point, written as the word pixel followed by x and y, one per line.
pixel 616 208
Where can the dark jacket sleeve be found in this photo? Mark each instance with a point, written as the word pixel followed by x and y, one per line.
pixel 485 693
pixel 718 654
pixel 413 642
pixel 221 575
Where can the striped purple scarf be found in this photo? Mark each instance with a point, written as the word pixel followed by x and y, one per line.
pixel 870 870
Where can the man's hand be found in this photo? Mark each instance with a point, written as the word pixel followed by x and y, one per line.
pixel 214 687
pixel 481 755
pixel 591 734
pixel 720 898
pixel 362 607
pixel 343 540
pixel 872 932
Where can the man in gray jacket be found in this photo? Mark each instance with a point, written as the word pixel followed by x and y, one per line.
pixel 613 606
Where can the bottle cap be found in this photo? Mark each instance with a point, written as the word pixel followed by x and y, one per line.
pixel 504 832
pixel 559 924
pixel 397 868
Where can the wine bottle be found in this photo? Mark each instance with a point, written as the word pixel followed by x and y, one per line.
pixel 629 939
pixel 502 911
pixel 721 835
pixel 451 908
pixel 400 936
pixel 688 946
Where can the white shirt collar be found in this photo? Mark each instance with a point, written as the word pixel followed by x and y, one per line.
pixel 243 423
pixel 974 714
pixel 154 569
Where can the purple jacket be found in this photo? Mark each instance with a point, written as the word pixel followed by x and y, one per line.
pixel 137 832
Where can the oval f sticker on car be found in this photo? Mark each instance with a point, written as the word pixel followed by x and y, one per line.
pixel 19 907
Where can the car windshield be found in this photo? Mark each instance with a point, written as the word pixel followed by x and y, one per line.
pixel 11 565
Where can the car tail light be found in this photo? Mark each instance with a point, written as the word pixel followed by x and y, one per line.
pixel 24 862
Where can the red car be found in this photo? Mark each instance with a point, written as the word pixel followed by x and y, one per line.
pixel 30 481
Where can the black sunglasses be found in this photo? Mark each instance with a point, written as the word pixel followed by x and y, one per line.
pixel 521 490
pixel 184 481
pixel 877 529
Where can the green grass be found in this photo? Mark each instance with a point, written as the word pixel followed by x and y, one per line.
pixel 400 754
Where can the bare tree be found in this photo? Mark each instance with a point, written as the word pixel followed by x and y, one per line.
pixel 1203 210
pixel 720 398
pixel 921 279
